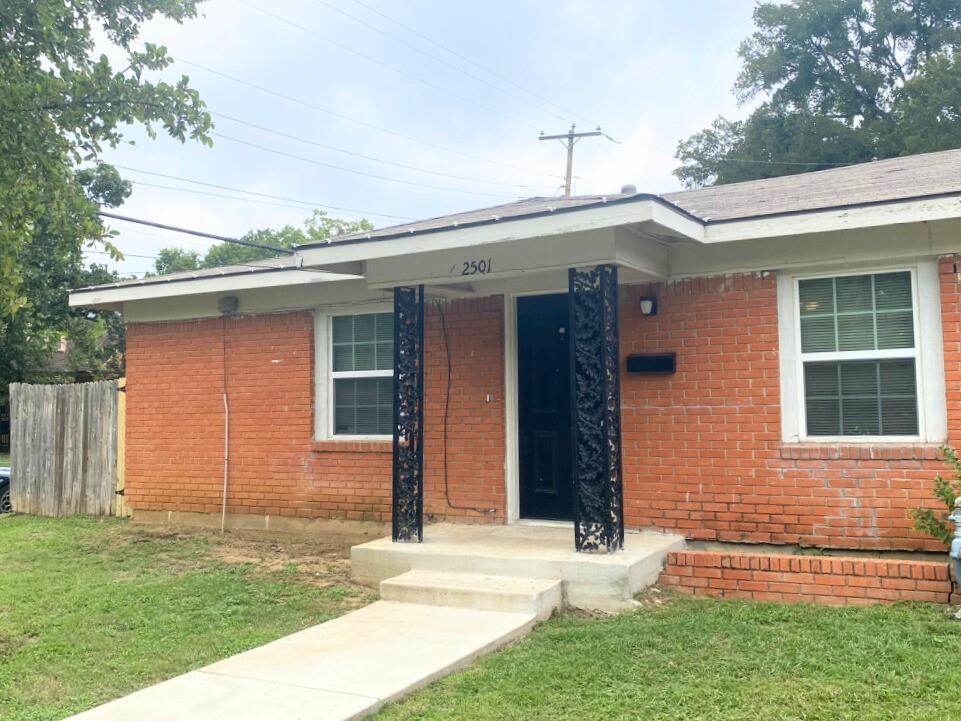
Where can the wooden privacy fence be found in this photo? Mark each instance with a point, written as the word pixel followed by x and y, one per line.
pixel 66 448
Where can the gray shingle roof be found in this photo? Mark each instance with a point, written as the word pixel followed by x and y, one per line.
pixel 883 180
pixel 913 176
pixel 508 211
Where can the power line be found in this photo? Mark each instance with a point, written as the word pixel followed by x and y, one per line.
pixel 125 255
pixel 362 213
pixel 755 162
pixel 207 193
pixel 366 157
pixel 434 57
pixel 785 162
pixel 349 49
pixel 466 59
pixel 364 123
pixel 360 172
pixel 198 233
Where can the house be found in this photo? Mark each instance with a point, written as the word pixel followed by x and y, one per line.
pixel 772 362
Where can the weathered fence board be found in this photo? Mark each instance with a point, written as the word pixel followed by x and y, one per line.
pixel 64 448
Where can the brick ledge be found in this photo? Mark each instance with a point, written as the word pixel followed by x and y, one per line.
pixel 334 446
pixel 861 451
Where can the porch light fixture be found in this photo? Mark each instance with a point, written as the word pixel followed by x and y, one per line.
pixel 649 305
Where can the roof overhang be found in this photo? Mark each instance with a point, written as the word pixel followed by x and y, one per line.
pixel 635 233
pixel 651 213
pixel 152 289
pixel 826 220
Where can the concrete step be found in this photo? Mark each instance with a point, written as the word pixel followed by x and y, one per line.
pixel 596 581
pixel 482 592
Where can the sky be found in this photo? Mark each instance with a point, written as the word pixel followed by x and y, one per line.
pixel 404 110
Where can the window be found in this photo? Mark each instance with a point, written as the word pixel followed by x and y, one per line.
pixel 361 358
pixel 862 356
pixel 859 355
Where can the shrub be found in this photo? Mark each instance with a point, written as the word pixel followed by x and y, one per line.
pixel 936 523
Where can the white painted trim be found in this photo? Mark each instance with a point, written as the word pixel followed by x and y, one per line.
pixel 928 351
pixel 197 286
pixel 931 339
pixel 833 219
pixel 324 377
pixel 511 416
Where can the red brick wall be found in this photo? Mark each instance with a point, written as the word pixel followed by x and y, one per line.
pixel 475 411
pixel 175 420
pixel 828 580
pixel 702 448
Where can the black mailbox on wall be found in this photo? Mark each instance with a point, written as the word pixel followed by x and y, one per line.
pixel 652 363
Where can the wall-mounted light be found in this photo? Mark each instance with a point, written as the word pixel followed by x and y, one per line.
pixel 649 305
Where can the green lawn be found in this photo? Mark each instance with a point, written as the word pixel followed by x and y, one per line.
pixel 5 459
pixel 691 659
pixel 91 610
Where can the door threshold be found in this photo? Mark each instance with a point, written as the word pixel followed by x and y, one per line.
pixel 544 522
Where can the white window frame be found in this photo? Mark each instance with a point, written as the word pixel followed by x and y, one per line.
pixel 324 374
pixel 928 353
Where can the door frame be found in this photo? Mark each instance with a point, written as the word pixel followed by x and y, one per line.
pixel 512 407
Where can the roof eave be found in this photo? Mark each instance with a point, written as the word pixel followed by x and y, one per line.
pixel 108 297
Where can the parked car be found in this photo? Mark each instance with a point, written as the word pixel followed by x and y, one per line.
pixel 5 506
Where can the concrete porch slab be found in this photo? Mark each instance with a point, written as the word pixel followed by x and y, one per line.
pixel 595 581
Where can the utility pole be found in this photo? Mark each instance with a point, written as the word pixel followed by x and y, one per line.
pixel 568 140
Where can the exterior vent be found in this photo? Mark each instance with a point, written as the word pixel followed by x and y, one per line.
pixel 629 189
pixel 228 305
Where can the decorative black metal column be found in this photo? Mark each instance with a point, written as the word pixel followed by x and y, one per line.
pixel 596 410
pixel 408 508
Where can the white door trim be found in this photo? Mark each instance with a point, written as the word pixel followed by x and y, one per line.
pixel 511 421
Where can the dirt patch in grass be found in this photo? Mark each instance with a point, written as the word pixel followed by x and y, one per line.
pixel 320 562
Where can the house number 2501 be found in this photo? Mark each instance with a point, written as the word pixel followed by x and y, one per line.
pixel 475 267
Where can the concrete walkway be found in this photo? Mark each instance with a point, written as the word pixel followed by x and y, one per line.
pixel 346 668
pixel 465 591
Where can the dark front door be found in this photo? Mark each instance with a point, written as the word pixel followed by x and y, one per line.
pixel 544 404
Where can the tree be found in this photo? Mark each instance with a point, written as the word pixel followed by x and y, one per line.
pixel 844 81
pixel 176 260
pixel 61 103
pixel 50 264
pixel 319 226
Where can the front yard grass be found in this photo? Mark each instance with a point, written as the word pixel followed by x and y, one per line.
pixel 682 659
pixel 91 610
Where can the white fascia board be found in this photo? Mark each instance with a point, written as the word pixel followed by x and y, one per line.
pixel 561 223
pixel 494 261
pixel 677 223
pixel 101 297
pixel 820 221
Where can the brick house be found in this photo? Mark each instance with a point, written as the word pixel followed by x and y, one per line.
pixel 784 354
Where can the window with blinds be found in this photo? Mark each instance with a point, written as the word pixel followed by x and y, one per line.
pixel 859 356
pixel 362 369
